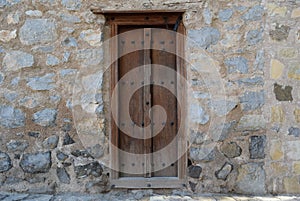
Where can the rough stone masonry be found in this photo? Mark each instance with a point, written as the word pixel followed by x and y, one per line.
pixel 255 48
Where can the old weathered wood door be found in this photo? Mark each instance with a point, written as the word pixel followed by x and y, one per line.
pixel 145 73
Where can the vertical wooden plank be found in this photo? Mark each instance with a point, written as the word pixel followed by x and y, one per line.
pixel 164 41
pixel 181 94
pixel 147 102
pixel 132 44
pixel 114 78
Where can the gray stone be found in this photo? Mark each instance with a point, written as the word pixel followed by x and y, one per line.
pixel 13 196
pixel 43 49
pixel 11 117
pixel 225 129
pixel 225 170
pixel 1 78
pixel 66 72
pixel 71 4
pixel 45 82
pixel 222 107
pixel 66 56
pixel 193 186
pixel 197 137
pixel 294 131
pixel 34 13
pixel 252 100
pixel 280 33
pixel 29 102
pixel 3 3
pixel 81 153
pixel 225 15
pixel 283 93
pixel 61 156
pixel 204 154
pixel 259 60
pixel 68 140
pixel 96 151
pixel 197 114
pixel 5 162
pixel 51 142
pixel 207 16
pixel 2 50
pixel 33 134
pixel 16 60
pixel 204 37
pixel 38 197
pixel 194 171
pixel 69 42
pixel 94 169
pixel 15 81
pixel 11 96
pixel 37 31
pixel 52 60
pixel 55 99
pixel 13 180
pixel 251 123
pixel 257 147
pixel 251 179
pixel 253 14
pixel 90 56
pixel 70 18
pixel 254 36
pixel 39 162
pixel 17 145
pixel 45 117
pixel 63 175
pixel 237 64
pixel 254 81
pixel 231 149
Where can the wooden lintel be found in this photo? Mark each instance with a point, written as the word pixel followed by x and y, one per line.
pixel 116 12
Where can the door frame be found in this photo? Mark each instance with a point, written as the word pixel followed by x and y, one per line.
pixel 120 18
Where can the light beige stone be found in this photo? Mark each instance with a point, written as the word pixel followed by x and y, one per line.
pixel 277 114
pixel 279 169
pixel 295 13
pixel 274 9
pixel 291 184
pixel 297 115
pixel 294 72
pixel 6 35
pixel 296 167
pixel 276 69
pixel 276 152
pixel 288 53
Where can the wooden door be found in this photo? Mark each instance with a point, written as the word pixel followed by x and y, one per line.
pixel 152 43
pixel 160 52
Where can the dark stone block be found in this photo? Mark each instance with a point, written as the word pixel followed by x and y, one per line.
pixel 94 169
pixel 257 147
pixel 81 153
pixel 5 162
pixel 68 140
pixel 63 175
pixel 61 156
pixel 34 134
pixel 280 33
pixel 283 93
pixel 294 131
pixel 193 186
pixel 194 171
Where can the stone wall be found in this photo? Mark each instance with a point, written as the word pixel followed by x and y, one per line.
pixel 243 75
